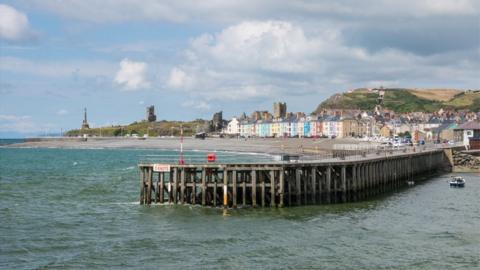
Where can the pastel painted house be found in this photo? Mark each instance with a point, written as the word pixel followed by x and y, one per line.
pixel 294 131
pixel 306 129
pixel 330 127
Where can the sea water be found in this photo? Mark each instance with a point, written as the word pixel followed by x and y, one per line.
pixel 70 209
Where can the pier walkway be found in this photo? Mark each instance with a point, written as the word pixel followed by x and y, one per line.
pixel 282 183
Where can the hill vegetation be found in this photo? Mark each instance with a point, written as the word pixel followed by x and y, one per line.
pixel 161 128
pixel 403 100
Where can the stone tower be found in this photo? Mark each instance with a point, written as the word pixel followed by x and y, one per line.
pixel 85 122
pixel 150 114
pixel 279 110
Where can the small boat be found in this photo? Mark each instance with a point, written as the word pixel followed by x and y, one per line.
pixel 457 181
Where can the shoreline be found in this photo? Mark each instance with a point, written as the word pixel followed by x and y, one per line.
pixel 269 146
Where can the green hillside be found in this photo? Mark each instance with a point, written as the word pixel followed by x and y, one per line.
pixel 403 100
pixel 161 128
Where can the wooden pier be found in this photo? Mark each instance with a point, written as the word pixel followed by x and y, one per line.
pixel 280 184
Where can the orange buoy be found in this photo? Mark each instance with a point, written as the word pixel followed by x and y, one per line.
pixel 211 157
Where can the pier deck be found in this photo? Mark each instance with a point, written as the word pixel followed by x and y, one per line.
pixel 280 184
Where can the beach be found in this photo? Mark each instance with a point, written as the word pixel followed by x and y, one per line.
pixel 256 145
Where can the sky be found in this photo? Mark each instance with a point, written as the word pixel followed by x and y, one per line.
pixel 192 58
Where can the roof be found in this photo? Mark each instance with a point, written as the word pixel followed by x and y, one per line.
pixel 469 125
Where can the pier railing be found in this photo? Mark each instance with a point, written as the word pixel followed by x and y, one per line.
pixel 221 157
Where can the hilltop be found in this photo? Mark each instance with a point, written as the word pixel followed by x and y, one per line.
pixel 160 128
pixel 403 100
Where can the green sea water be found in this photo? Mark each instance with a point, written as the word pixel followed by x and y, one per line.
pixel 77 209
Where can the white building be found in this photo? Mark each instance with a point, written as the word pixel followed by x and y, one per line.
pixel 233 127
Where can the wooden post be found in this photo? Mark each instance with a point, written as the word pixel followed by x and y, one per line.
pixel 244 189
pixel 175 185
pixel 298 186
pixel 157 189
pixel 149 185
pixel 272 188
pixel 344 183
pixel 314 182
pixel 262 183
pixel 162 186
pixel 194 185
pixel 215 179
pixel 142 185
pixel 304 179
pixel 234 186
pixel 289 181
pixel 328 184
pixel 354 183
pixel 225 187
pixel 204 186
pixel 182 186
pixel 282 187
pixel 254 188
pixel 320 184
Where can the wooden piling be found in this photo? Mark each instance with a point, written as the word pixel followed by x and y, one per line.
pixel 262 186
pixel 225 188
pixel 149 186
pixel 244 189
pixel 204 187
pixel 328 184
pixel 234 189
pixel 272 188
pixel 298 187
pixel 343 185
pixel 313 176
pixel 254 188
pixel 161 188
pixel 182 186
pixel 282 188
pixel 281 184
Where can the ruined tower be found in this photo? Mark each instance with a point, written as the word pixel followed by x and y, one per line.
pixel 150 114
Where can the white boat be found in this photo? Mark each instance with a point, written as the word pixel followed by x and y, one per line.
pixel 457 181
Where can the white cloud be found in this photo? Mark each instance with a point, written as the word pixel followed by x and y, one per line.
pixel 14 25
pixel 265 45
pixel 235 11
pixel 62 112
pixel 178 78
pixel 132 75
pixel 257 60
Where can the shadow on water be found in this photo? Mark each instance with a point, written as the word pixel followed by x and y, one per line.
pixel 301 213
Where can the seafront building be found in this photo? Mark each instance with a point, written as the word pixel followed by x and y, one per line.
pixel 335 123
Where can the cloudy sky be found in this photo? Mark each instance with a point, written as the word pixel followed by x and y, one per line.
pixel 192 58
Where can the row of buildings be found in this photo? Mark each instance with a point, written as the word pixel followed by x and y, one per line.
pixel 331 126
pixel 440 126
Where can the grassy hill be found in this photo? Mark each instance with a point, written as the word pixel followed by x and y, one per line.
pixel 161 128
pixel 402 100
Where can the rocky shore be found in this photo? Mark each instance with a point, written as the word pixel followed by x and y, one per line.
pixel 465 162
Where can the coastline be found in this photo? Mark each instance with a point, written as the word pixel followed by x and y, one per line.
pixel 256 145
